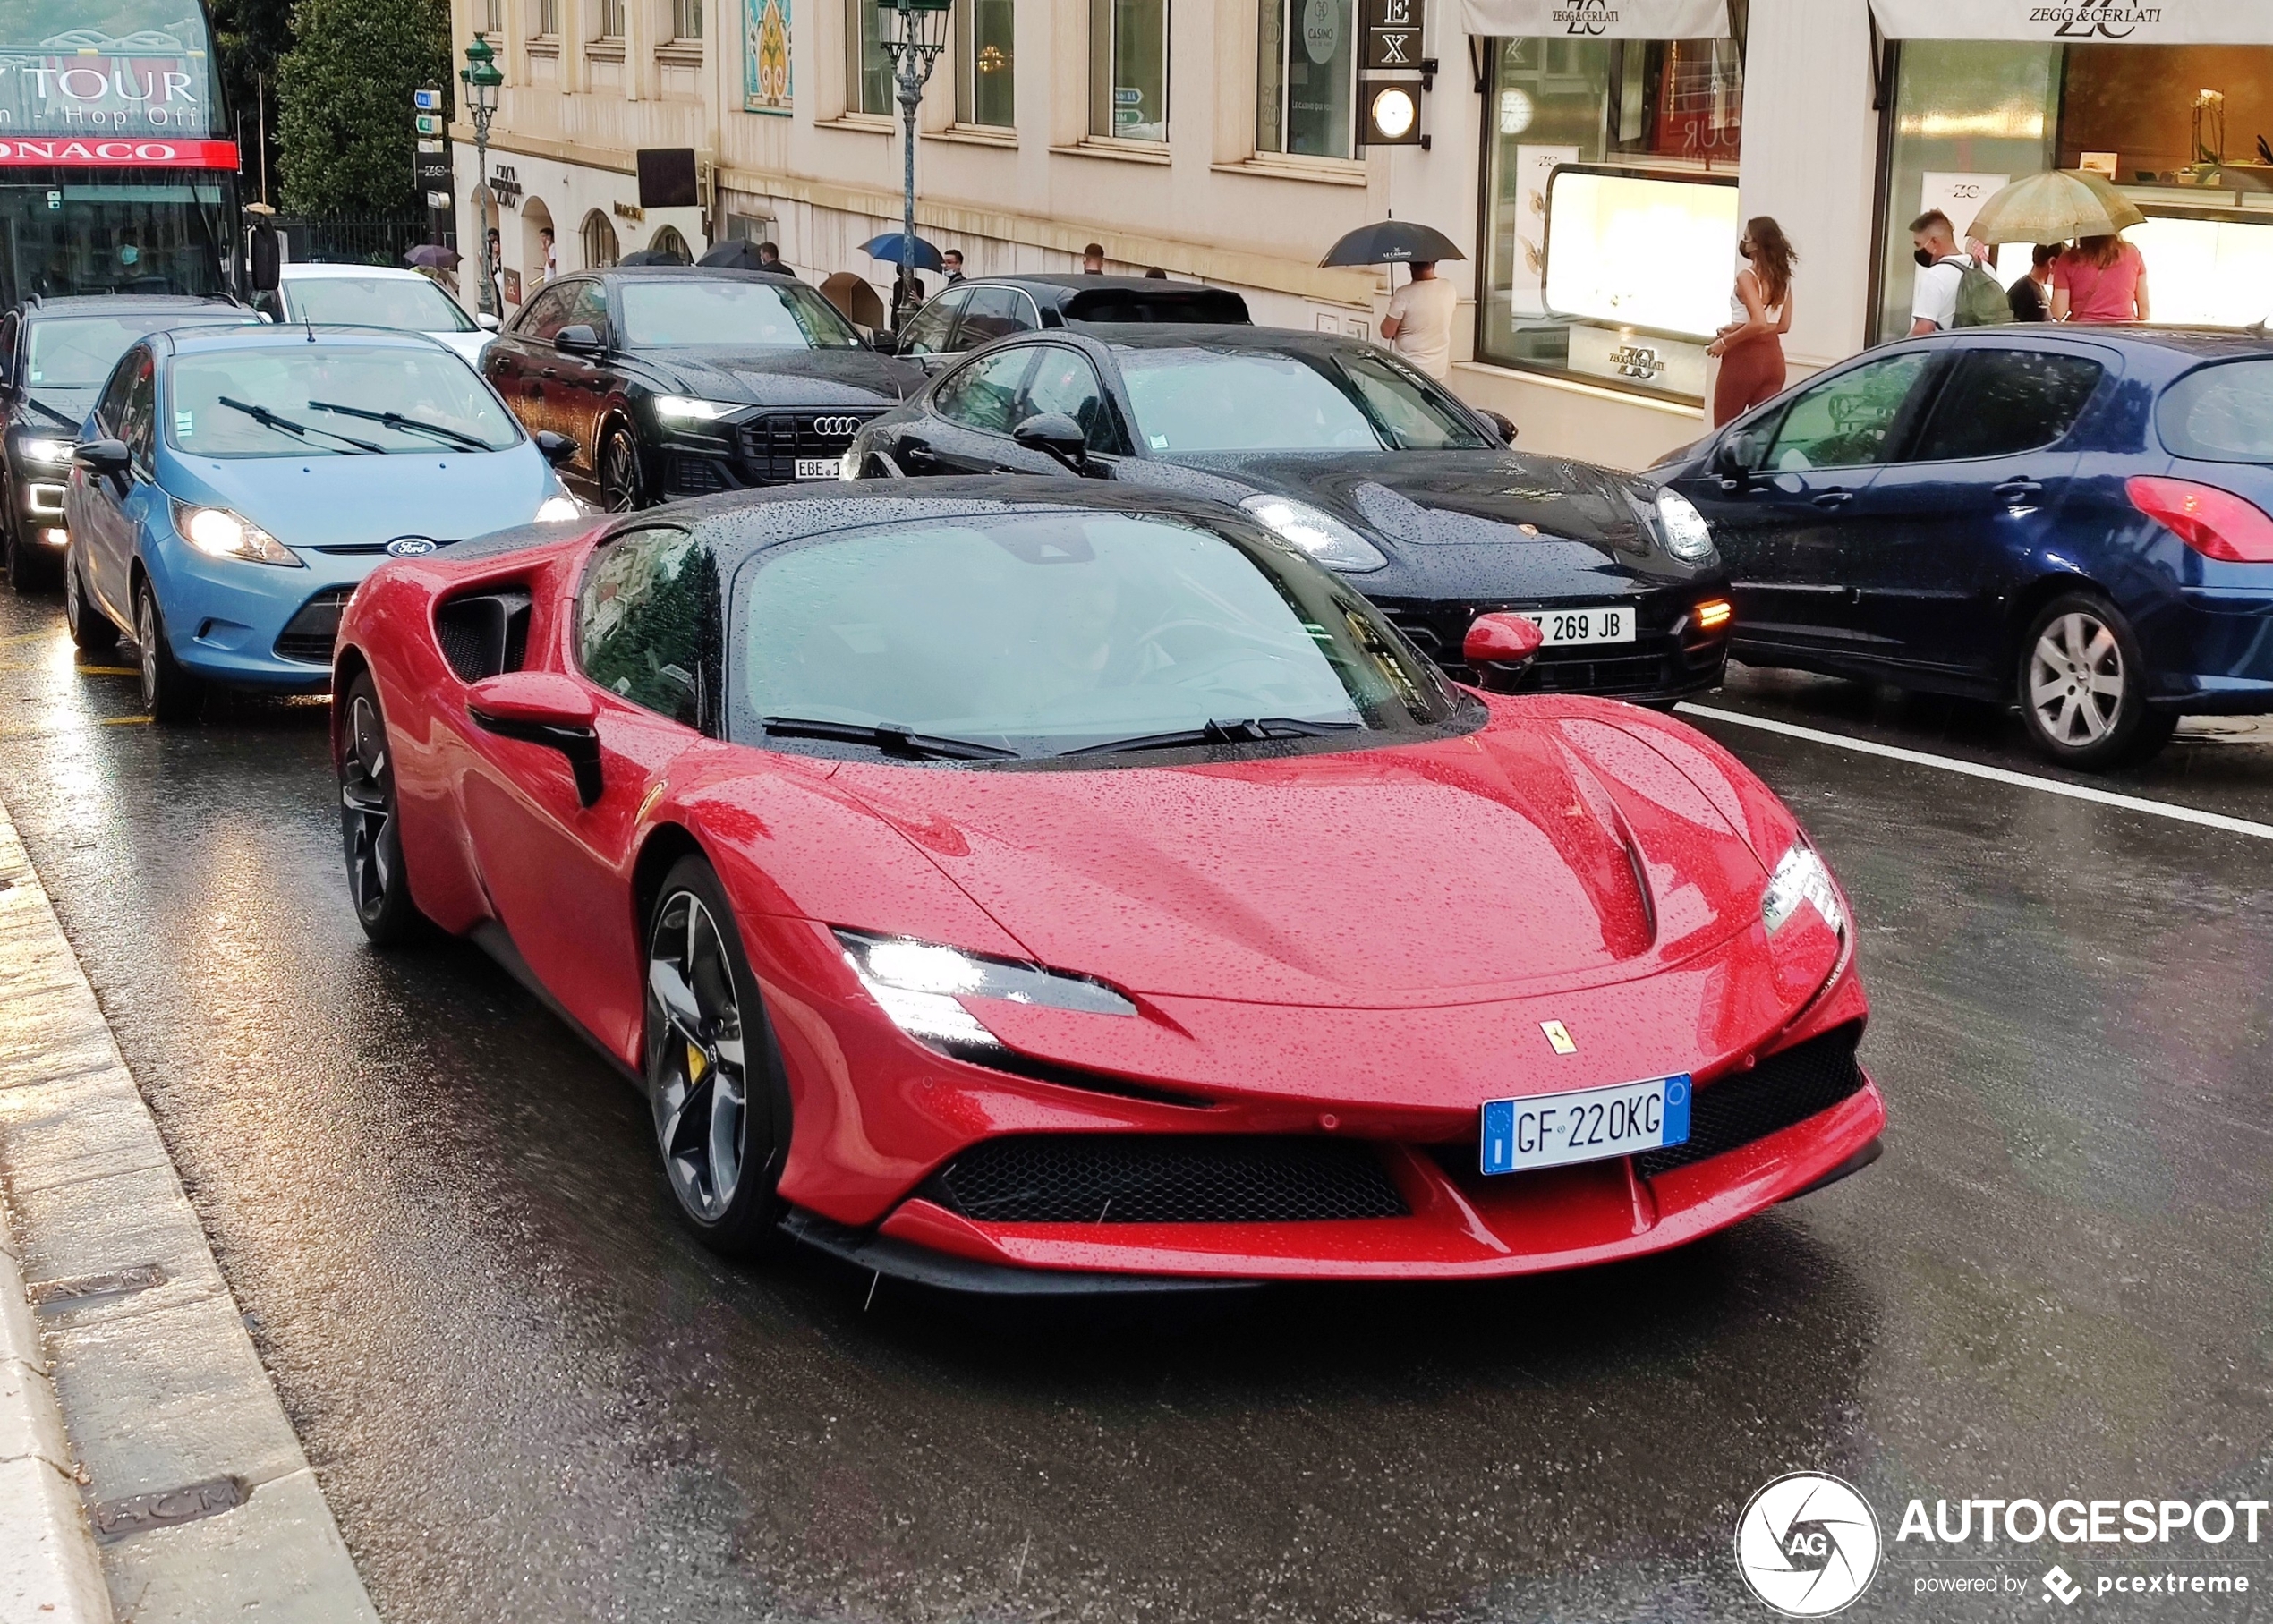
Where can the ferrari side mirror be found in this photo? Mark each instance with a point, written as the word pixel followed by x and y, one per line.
pixel 1499 649
pixel 546 709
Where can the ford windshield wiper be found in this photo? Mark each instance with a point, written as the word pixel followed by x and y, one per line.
pixel 395 419
pixel 888 738
pixel 1255 730
pixel 269 420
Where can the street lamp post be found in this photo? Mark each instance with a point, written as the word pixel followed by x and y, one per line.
pixel 481 78
pixel 914 33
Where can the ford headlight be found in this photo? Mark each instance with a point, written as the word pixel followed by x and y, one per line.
pixel 687 409
pixel 559 510
pixel 1801 876
pixel 920 985
pixel 1688 537
pixel 218 533
pixel 1321 535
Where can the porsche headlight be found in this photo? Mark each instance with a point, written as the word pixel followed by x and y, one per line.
pixel 559 510
pixel 919 985
pixel 1322 536
pixel 1688 537
pixel 218 533
pixel 687 409
pixel 1801 876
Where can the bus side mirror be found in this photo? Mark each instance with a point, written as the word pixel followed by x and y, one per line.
pixel 264 259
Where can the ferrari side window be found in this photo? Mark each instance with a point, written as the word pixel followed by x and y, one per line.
pixel 647 624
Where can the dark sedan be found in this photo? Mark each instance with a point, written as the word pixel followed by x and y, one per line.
pixel 682 380
pixel 55 354
pixel 970 315
pixel 1370 467
pixel 2073 520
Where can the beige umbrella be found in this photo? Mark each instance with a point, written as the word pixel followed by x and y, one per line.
pixel 2053 207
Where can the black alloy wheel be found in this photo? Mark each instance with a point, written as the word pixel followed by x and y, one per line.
pixel 90 629
pixel 169 693
pixel 367 830
pixel 621 487
pixel 2082 686
pixel 713 1071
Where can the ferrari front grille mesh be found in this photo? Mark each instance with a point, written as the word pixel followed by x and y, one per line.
pixel 1783 1089
pixel 1128 1179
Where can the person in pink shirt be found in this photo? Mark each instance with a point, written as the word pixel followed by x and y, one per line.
pixel 2100 279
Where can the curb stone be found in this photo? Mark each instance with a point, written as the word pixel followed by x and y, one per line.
pixel 132 1398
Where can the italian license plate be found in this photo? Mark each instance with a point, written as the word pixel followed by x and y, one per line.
pixel 1561 628
pixel 1586 1125
pixel 817 467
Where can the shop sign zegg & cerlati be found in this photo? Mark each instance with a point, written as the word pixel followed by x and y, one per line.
pixel 90 94
pixel 2078 22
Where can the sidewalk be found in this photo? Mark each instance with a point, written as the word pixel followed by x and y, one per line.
pixel 148 1473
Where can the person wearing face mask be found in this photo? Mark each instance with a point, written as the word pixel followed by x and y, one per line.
pixel 1750 348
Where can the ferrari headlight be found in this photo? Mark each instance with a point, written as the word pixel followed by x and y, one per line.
pixel 687 409
pixel 1801 876
pixel 920 985
pixel 218 533
pixel 42 450
pixel 559 510
pixel 1688 537
pixel 1322 536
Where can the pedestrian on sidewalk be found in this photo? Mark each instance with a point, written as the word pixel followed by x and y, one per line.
pixel 549 265
pixel 769 260
pixel 1093 259
pixel 2031 296
pixel 1953 289
pixel 953 259
pixel 1419 322
pixel 2101 279
pixel 1750 348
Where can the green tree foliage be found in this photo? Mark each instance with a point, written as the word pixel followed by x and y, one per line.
pixel 250 39
pixel 344 101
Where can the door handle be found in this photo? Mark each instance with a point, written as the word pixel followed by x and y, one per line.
pixel 550 372
pixel 2018 490
pixel 1835 499
pixel 916 453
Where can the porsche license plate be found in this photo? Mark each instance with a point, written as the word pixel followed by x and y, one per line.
pixel 816 467
pixel 1586 1125
pixel 1561 628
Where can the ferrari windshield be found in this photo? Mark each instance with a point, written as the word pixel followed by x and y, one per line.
pixel 1198 399
pixel 332 399
pixel 771 313
pixel 1034 634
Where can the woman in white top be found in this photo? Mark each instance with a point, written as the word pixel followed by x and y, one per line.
pixel 1751 346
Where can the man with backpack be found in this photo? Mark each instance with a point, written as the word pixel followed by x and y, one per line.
pixel 1953 289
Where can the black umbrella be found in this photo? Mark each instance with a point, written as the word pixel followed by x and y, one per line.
pixel 733 255
pixel 651 255
pixel 1392 242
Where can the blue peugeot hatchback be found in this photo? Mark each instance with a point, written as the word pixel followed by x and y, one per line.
pixel 2070 519
pixel 231 488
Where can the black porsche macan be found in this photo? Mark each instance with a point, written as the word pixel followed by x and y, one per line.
pixel 684 380
pixel 1348 453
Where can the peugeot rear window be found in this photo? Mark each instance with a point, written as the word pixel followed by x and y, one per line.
pixel 2220 414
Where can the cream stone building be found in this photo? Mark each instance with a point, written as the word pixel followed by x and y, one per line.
pixel 1593 159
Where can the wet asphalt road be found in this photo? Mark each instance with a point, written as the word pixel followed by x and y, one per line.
pixel 530 1397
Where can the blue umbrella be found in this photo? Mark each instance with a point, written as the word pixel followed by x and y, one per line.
pixel 886 248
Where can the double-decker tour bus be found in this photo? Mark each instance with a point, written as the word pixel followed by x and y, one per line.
pixel 118 169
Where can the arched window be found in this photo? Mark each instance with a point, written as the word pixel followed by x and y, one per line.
pixel 667 241
pixel 599 242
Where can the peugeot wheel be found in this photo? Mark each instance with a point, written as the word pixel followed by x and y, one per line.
pixel 621 489
pixel 90 629
pixel 2082 686
pixel 713 1073
pixel 169 692
pixel 373 840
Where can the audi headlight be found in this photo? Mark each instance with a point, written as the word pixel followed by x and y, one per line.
pixel 559 510
pixel 1687 536
pixel 218 533
pixel 687 409
pixel 55 453
pixel 1801 876
pixel 920 985
pixel 1322 536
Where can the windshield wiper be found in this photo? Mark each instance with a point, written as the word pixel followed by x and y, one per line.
pixel 395 419
pixel 36 405
pixel 888 738
pixel 269 420
pixel 1255 730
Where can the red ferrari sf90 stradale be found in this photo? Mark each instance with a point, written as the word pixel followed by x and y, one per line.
pixel 1019 886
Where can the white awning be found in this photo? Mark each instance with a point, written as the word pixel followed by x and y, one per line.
pixel 1598 19
pixel 2079 21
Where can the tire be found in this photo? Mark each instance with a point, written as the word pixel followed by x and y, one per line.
pixel 169 693
pixel 90 629
pixel 2083 689
pixel 622 486
pixel 370 836
pixel 712 1070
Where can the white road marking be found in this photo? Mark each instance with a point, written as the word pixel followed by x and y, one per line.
pixel 1994 775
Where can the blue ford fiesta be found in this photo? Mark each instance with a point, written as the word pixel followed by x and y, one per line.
pixel 232 487
pixel 2071 519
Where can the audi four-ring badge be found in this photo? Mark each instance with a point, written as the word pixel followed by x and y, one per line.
pixel 683 381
